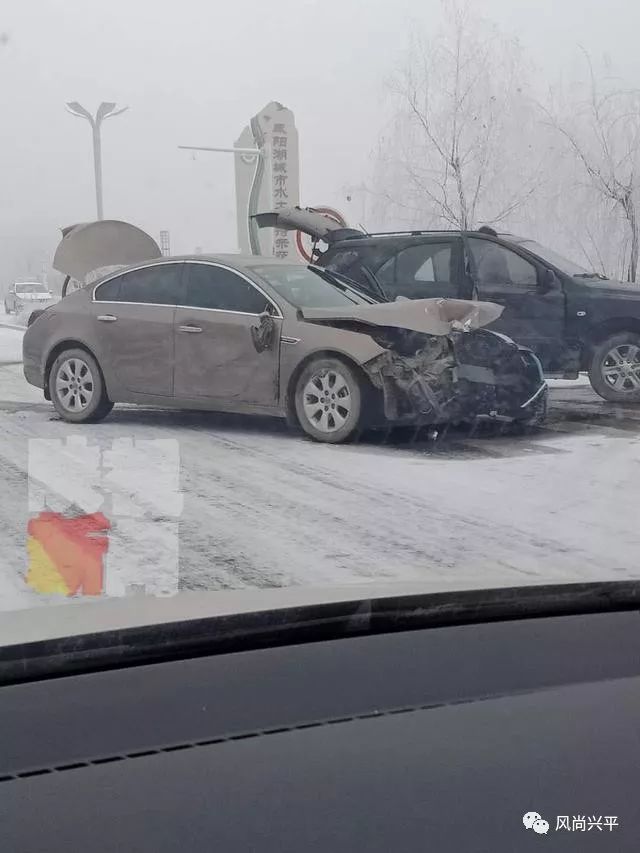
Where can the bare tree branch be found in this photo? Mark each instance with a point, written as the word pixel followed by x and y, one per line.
pixel 457 98
pixel 605 138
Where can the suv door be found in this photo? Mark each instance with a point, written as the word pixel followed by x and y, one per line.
pixel 133 316
pixel 215 353
pixel 532 316
pixel 423 270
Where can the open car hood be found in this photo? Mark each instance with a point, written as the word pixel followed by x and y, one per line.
pixel 430 316
pixel 91 246
pixel 307 220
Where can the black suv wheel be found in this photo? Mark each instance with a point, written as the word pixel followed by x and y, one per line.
pixel 615 368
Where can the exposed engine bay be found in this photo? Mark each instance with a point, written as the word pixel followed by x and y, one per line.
pixel 437 379
pixel 439 365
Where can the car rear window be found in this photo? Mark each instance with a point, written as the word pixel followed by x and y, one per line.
pixel 154 285
pixel 109 291
pixel 31 288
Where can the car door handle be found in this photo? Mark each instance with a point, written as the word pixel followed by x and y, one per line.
pixel 107 318
pixel 192 329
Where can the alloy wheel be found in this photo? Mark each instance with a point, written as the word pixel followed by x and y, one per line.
pixel 327 401
pixel 74 385
pixel 621 368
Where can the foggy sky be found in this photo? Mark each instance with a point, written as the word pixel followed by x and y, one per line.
pixel 194 71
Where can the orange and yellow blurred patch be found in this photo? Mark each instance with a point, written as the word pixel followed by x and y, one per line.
pixel 66 553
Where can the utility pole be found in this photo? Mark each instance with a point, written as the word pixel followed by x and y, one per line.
pixel 105 110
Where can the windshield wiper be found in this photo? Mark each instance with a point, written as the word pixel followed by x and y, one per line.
pixel 348 285
pixel 591 275
pixel 375 283
pixel 375 290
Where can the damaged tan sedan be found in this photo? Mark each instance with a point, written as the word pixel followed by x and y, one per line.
pixel 258 336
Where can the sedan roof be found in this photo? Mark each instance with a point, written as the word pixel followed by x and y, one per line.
pixel 246 260
pixel 224 258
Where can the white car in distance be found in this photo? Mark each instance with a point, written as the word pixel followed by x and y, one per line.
pixel 26 294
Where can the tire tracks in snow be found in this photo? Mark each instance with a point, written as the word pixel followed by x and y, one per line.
pixel 266 508
pixel 507 546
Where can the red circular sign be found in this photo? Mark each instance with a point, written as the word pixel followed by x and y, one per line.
pixel 330 213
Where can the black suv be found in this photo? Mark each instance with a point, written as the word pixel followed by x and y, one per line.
pixel 573 319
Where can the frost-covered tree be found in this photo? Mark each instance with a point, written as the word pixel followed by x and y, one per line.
pixel 599 122
pixel 459 147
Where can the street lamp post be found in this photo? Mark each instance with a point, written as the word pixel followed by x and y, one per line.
pixel 105 110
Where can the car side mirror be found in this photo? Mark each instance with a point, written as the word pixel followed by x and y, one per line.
pixel 548 281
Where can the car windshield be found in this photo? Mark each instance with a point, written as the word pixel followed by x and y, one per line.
pixel 562 263
pixel 307 287
pixel 31 287
pixel 265 323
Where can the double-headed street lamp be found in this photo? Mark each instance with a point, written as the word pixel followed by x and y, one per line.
pixel 105 110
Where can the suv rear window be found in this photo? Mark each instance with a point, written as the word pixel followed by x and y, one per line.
pixel 402 268
pixel 350 262
pixel 416 270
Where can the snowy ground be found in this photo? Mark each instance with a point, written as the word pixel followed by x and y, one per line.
pixel 252 505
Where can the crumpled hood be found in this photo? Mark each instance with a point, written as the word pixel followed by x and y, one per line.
pixel 307 220
pixel 91 246
pixel 430 316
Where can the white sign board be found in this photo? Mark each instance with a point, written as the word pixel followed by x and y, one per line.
pixel 268 181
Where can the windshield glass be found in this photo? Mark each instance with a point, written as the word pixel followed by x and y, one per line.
pixel 199 397
pixel 563 264
pixel 306 287
pixel 31 287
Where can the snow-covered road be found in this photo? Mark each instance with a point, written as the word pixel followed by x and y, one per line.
pixel 262 507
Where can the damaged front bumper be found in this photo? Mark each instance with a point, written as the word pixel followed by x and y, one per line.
pixel 417 388
pixel 462 377
pixel 440 365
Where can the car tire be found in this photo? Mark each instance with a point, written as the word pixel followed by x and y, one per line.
pixel 77 387
pixel 616 362
pixel 329 400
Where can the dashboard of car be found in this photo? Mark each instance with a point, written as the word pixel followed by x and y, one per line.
pixel 431 739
